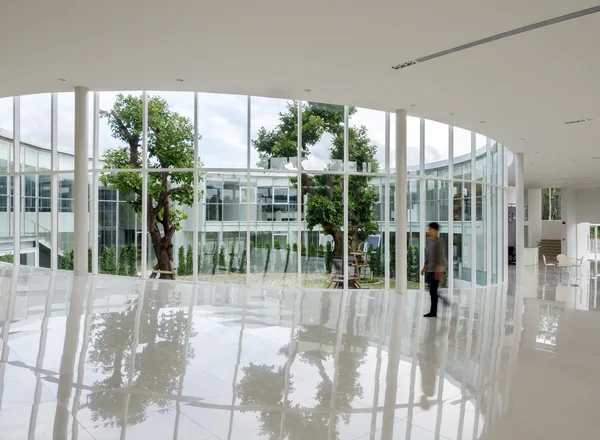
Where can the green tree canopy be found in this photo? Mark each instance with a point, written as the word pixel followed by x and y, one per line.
pixel 325 206
pixel 170 145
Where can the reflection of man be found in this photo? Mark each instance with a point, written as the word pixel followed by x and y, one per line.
pixel 434 267
pixel 428 364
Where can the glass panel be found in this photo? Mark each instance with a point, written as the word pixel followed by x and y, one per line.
pixel 462 153
pixel 413 144
pixel 274 128
pixel 6 134
pixel 413 215
pixel 35 127
pixel 481 157
pixel 119 228
pixel 494 162
pixel 481 234
pixel 436 148
pixel 6 118
pixel 555 204
pixel 545 204
pixel 323 137
pixel 323 214
pixel 169 220
pixel 223 129
pixel 461 200
pixel 66 221
pixel 66 130
pixel 116 108
pixel 366 248
pixel 222 252
pixel 366 146
pixel 436 210
pixel 6 219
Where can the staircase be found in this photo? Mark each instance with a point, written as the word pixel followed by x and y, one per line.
pixel 550 248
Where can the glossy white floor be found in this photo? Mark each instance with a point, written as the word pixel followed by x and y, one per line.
pixel 117 358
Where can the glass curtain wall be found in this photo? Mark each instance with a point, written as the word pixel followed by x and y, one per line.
pixel 247 190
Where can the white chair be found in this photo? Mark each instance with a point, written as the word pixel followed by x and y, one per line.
pixel 546 264
pixel 563 263
pixel 577 266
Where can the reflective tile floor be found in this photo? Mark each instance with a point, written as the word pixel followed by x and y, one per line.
pixel 116 358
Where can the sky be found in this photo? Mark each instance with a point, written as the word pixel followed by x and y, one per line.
pixel 223 127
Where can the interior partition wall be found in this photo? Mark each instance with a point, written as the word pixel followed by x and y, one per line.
pixel 263 191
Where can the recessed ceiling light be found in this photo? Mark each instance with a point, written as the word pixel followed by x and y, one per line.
pixel 452 114
pixel 522 139
pixel 482 122
pixel 179 80
pixel 413 105
pixel 308 90
pixel 62 79
pixel 595 157
pixel 536 152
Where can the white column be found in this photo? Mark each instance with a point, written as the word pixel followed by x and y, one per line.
pixel 534 218
pixel 400 200
pixel 520 221
pixel 569 219
pixel 80 264
pixel 16 181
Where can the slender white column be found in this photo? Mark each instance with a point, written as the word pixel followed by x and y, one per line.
pixel 520 233
pixel 80 264
pixel 400 200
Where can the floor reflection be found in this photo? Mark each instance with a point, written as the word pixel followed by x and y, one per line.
pixel 107 357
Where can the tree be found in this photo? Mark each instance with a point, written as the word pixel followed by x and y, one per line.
pixel 170 145
pixel 325 205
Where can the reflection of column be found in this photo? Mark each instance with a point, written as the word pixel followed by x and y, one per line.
pixel 83 350
pixel 238 360
pixel 95 184
pixel 79 292
pixel 400 202
pixel 383 307
pixel 413 369
pixel 336 360
pixel 520 221
pixel 514 350
pixel 136 337
pixel 80 264
pixel 188 332
pixel 468 351
pixel 144 262
pixel 291 356
pixel 40 359
pixel 391 387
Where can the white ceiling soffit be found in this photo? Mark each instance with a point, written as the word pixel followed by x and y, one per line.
pixel 525 68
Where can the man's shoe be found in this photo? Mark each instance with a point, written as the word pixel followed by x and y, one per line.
pixel 430 315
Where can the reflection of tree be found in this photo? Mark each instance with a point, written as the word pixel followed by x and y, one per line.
pixel 160 360
pixel 314 344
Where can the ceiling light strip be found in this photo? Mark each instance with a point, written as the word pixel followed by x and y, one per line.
pixel 511 33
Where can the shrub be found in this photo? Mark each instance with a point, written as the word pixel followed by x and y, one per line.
pixel 189 260
pixel 295 247
pixel 231 259
pixel 312 250
pixel 123 261
pixel 181 268
pixel 303 250
pixel 277 245
pixel 132 261
pixel 321 251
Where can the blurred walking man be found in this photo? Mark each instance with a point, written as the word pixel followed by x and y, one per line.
pixel 434 267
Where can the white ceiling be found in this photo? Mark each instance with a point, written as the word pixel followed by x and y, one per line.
pixel 525 86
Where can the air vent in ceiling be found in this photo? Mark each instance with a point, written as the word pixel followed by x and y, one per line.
pixel 580 121
pixel 404 65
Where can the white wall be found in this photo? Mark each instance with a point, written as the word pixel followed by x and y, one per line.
pixel 511 195
pixel 588 205
pixel 552 229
